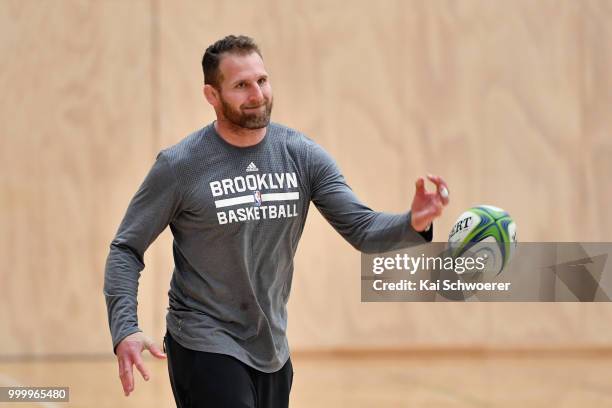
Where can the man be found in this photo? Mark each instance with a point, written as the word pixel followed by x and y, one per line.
pixel 236 194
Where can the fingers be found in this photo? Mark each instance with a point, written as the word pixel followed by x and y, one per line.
pixel 126 373
pixel 126 376
pixel 155 351
pixel 129 353
pixel 441 186
pixel 436 209
pixel 420 185
pixel 426 215
pixel 141 367
pixel 426 207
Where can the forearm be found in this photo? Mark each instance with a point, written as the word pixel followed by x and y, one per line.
pixel 367 230
pixel 380 232
pixel 152 208
pixel 122 272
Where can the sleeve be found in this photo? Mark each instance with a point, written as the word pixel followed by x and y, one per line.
pixel 366 230
pixel 151 209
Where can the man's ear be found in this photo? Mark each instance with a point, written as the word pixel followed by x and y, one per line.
pixel 211 94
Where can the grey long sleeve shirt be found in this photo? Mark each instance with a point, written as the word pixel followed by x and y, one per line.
pixel 236 215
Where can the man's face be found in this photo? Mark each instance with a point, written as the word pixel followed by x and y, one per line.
pixel 245 94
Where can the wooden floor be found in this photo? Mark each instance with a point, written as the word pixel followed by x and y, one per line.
pixel 358 382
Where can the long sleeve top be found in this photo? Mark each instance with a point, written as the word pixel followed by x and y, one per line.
pixel 236 215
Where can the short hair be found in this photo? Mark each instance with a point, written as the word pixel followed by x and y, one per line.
pixel 241 45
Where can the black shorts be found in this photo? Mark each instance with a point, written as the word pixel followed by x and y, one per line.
pixel 201 380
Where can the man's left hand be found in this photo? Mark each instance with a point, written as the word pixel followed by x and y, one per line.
pixel 427 206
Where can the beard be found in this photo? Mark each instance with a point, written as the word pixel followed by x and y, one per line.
pixel 255 120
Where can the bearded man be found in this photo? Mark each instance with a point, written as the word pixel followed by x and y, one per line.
pixel 236 195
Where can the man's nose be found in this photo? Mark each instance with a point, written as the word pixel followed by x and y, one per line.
pixel 256 94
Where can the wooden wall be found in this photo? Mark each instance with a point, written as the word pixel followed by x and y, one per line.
pixel 509 101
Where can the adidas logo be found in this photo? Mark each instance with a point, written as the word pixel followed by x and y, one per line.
pixel 252 167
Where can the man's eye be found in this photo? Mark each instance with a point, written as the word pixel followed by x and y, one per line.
pixel 262 81
pixel 240 85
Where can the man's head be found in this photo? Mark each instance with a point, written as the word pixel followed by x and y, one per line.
pixel 236 82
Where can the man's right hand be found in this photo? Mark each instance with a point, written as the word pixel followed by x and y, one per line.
pixel 129 354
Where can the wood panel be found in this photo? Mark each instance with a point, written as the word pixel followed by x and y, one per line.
pixel 76 142
pixel 597 133
pixel 509 101
pixel 491 96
